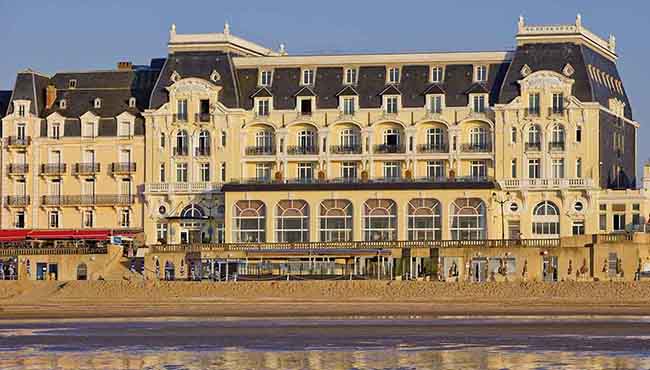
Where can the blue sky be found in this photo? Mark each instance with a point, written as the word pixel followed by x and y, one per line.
pixel 62 35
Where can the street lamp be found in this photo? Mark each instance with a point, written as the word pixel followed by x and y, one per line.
pixel 501 202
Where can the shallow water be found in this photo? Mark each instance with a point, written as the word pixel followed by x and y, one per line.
pixel 322 343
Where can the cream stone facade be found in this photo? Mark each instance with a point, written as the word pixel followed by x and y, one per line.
pixel 227 141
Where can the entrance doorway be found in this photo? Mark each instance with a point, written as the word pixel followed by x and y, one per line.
pixel 550 268
pixel 479 269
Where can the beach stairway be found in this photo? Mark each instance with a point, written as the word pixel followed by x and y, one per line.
pixel 118 266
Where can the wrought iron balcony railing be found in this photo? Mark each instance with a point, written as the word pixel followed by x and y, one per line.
pixel 18 140
pixel 53 168
pixel 202 151
pixel 181 151
pixel 389 148
pixel 202 117
pixel 476 148
pixel 85 168
pixel 300 149
pixel 92 199
pixel 260 150
pixel 556 146
pixel 433 148
pixel 533 147
pixel 123 167
pixel 345 149
pixel 17 168
pixel 17 200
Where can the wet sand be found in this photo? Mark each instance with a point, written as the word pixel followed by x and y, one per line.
pixel 113 299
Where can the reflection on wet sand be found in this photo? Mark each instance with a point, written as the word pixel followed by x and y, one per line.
pixel 235 358
pixel 457 343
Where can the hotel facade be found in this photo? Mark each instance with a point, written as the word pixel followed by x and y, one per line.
pixel 227 141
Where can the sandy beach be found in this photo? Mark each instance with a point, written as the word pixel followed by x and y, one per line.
pixel 124 299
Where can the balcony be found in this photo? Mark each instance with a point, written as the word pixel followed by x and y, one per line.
pixel 181 151
pixel 179 117
pixel 17 200
pixel 300 149
pixel 123 167
pixel 182 187
pixel 433 148
pixel 556 146
pixel 389 148
pixel 18 141
pixel 53 169
pixel 476 148
pixel 202 117
pixel 533 147
pixel 17 168
pixel 532 112
pixel 85 168
pixel 260 150
pixel 202 151
pixel 87 200
pixel 546 184
pixel 345 149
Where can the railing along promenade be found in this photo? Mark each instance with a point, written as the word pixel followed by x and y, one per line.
pixel 236 247
pixel 19 250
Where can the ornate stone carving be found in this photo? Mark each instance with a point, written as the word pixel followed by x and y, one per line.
pixel 568 70
pixel 525 70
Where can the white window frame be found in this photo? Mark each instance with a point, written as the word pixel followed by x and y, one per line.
pixel 263 171
pixel 437 74
pixel 125 218
pixel 182 172
pixel 392 104
pixel 307 77
pixel 385 233
pixel 350 76
pixel 414 231
pixel 558 167
pixel 436 169
pixel 327 223
pixel 349 170
pixel 305 171
pixel 393 75
pixel 263 107
pixel 478 169
pixel 204 172
pixel 266 77
pixel 481 73
pixel 436 103
pixel 479 103
pixel 534 163
pixel 55 133
pixel 282 229
pixel 392 170
pixel 346 103
pixel 54 219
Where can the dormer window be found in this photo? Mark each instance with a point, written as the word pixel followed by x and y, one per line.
pixel 132 103
pixel 21 110
pixel 266 76
pixel 263 107
pixel 480 73
pixel 436 74
pixel 350 77
pixel 436 103
pixel 98 103
pixel 72 84
pixel 124 129
pixel 305 105
pixel 89 129
pixel 393 75
pixel 391 104
pixel 55 130
pixel 348 105
pixel 307 77
pixel 479 103
pixel 62 104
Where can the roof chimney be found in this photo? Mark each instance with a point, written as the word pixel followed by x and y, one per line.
pixel 50 96
pixel 124 66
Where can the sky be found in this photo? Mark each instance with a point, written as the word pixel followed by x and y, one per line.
pixel 61 35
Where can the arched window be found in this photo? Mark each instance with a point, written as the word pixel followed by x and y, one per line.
pixel 379 220
pixel 292 221
pixel 335 220
pixel 391 137
pixel 249 221
pixel 558 134
pixel 349 138
pixel 435 138
pixel 534 135
pixel 204 143
pixel 264 139
pixel 424 219
pixel 192 211
pixel 82 272
pixel 478 136
pixel 307 139
pixel 467 219
pixel 181 143
pixel 546 220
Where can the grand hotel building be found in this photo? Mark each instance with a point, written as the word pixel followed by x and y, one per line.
pixel 228 141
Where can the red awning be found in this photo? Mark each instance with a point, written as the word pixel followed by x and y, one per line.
pixel 51 234
pixel 13 235
pixel 92 234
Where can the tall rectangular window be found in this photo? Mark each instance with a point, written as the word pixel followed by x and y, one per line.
pixel 263 107
pixel 391 104
pixel 204 172
pixel 181 110
pixel 161 233
pixel 478 170
pixel 162 172
pixel 435 104
pixel 266 78
pixel 350 76
pixel 20 220
pixel 435 169
pixel 513 169
pixel 308 77
pixel 392 170
pixel 558 168
pixel 89 218
pixel 54 219
pixel 534 170
pixel 436 74
pixel 393 75
pixel 579 167
pixel 223 172
pixel 125 218
pixel 480 74
pixel 262 171
pixel 348 106
pixel 533 104
pixel 181 172
pixel 513 135
pixel 578 227
pixel 305 171
pixel 124 129
pixel 349 170
pixel 478 105
pixel 558 103
pixel 579 134
pixel 55 131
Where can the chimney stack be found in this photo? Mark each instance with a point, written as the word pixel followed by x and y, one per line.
pixel 50 96
pixel 124 66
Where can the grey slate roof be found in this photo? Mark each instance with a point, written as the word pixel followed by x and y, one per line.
pixel 5 97
pixel 30 86
pixel 201 65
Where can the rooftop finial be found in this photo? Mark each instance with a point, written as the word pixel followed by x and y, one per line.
pixel 282 49
pixel 612 42
pixel 579 20
pixel 226 28
pixel 521 23
pixel 173 29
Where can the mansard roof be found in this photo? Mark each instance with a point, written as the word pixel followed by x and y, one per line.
pixel 390 90
pixel 30 85
pixel 347 90
pixel 305 91
pixel 477 88
pixel 262 92
pixel 433 89
pixel 5 97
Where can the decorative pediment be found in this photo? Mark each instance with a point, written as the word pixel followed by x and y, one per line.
pixel 477 88
pixel 347 91
pixel 525 70
pixel 390 90
pixel 56 116
pixel 305 91
pixel 433 89
pixel 126 116
pixel 262 92
pixel 89 116
pixel 545 80
pixel 193 86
